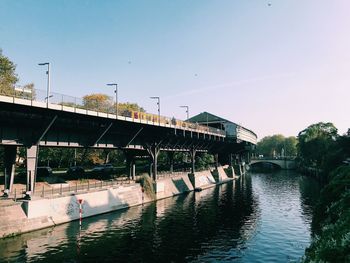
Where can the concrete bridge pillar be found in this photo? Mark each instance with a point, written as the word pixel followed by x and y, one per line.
pixel 10 152
pixel 216 159
pixel 231 169
pixel 131 167
pixel 171 161
pixel 153 151
pixel 193 160
pixel 32 162
pixel 230 159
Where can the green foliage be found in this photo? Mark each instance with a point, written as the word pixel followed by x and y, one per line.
pixel 273 145
pixel 147 184
pixel 104 103
pixel 331 221
pixel 127 107
pixel 315 142
pixel 28 92
pixel 56 157
pixel 204 161
pixel 9 79
pixel 8 76
pixel 98 102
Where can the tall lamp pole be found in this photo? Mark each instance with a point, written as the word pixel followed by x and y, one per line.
pixel 158 103
pixel 116 96
pixel 187 111
pixel 48 82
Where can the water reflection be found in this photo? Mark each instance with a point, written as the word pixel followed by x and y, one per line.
pixel 257 218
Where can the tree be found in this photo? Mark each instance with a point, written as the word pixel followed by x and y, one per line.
pixel 8 76
pixel 98 102
pixel 126 108
pixel 290 144
pixel 103 102
pixel 27 91
pixel 274 145
pixel 315 142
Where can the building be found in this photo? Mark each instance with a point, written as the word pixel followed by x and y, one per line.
pixel 234 131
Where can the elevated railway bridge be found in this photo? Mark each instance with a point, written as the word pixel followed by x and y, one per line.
pixel 34 123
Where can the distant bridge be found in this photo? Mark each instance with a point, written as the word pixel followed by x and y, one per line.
pixel 283 163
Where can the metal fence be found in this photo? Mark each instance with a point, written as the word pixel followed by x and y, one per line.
pixel 54 190
pixel 102 106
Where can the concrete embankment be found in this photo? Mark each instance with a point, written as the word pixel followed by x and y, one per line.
pixel 24 216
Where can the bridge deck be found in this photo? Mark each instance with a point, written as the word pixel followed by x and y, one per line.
pixel 164 121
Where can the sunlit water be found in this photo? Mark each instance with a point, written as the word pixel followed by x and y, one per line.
pixel 258 218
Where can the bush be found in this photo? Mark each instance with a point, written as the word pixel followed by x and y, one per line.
pixel 331 222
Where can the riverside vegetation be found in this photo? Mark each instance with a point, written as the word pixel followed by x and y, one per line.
pixel 321 148
pixel 322 153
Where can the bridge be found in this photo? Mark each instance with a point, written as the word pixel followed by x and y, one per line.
pixel 32 122
pixel 283 163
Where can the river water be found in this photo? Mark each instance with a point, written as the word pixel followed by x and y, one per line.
pixel 258 218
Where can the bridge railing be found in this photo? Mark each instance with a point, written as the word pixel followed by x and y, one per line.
pixel 102 106
pixel 46 191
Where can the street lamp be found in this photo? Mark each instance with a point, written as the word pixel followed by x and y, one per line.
pixel 48 82
pixel 187 111
pixel 116 96
pixel 158 103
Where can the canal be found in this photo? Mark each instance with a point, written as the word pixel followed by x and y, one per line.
pixel 258 218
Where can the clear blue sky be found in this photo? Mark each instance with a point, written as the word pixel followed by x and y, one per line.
pixel 272 68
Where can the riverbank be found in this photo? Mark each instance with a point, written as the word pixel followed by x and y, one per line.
pixel 331 221
pixel 28 215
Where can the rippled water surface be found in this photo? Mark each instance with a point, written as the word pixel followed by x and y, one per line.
pixel 258 218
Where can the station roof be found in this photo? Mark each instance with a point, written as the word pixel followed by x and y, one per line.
pixel 213 120
pixel 206 117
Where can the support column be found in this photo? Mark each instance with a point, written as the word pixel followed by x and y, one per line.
pixel 171 161
pixel 230 160
pixel 216 158
pixel 131 168
pixel 32 161
pixel 191 175
pixel 153 151
pixel 10 152
pixel 193 160
pixel 231 169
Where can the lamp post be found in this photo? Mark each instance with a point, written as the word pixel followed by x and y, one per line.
pixel 116 96
pixel 158 103
pixel 187 111
pixel 48 82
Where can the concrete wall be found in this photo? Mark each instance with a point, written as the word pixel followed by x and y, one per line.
pixel 65 209
pixel 44 212
pixel 171 186
pixel 14 221
pixel 205 179
pixel 20 217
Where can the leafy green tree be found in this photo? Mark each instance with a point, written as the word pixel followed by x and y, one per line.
pixel 98 101
pixel 290 144
pixel 315 143
pixel 204 161
pixel 8 76
pixel 274 145
pixel 126 108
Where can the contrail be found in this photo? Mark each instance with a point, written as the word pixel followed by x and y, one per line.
pixel 230 84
